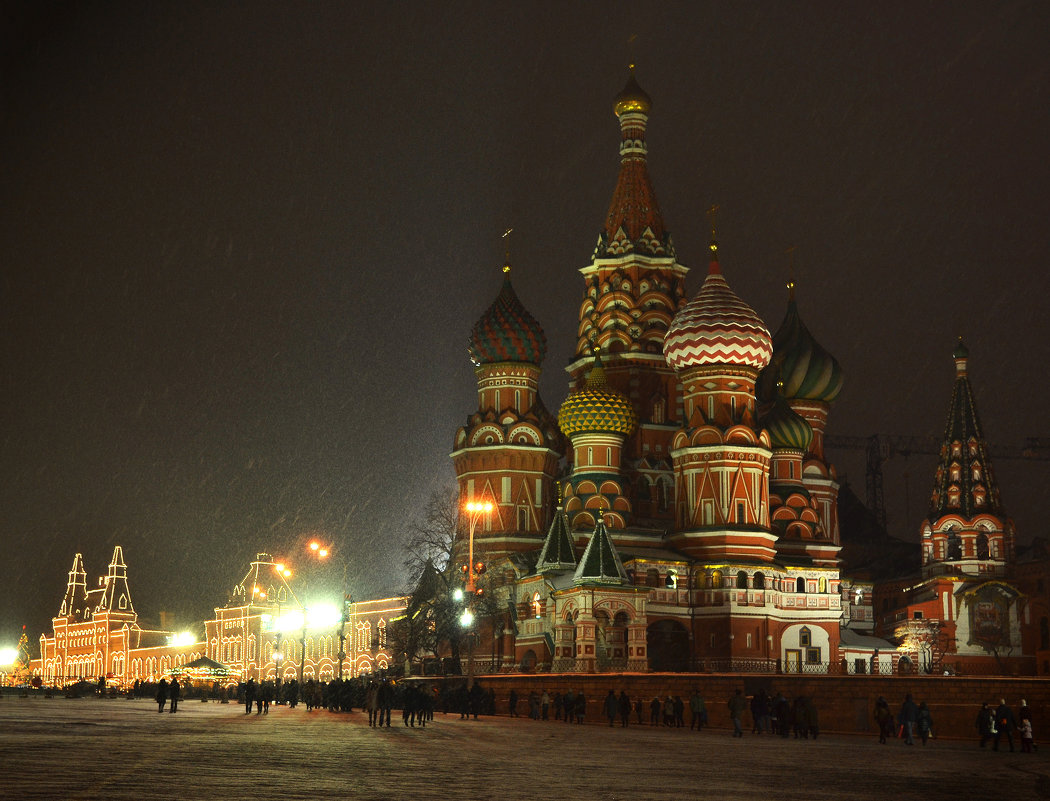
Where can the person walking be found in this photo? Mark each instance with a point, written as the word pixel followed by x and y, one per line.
pixel 570 706
pixel 581 706
pixel 737 705
pixel 1005 723
pixel 985 724
pixel 173 694
pixel 907 718
pixel 925 722
pixel 249 696
pixel 624 705
pixel 612 707
pixel 697 711
pixel 162 694
pixel 1027 737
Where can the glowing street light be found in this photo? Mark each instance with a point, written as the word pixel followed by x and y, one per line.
pixel 475 510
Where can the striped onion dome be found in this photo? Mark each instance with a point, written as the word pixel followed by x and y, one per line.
pixel 717 327
pixel 787 429
pixel 808 371
pixel 506 332
pixel 596 407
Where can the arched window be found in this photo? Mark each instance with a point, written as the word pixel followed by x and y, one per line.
pixel 982 546
pixel 759 581
pixel 652 577
pixel 671 581
pixel 741 580
pixel 823 585
pixel 800 584
pixel 715 579
pixel 536 607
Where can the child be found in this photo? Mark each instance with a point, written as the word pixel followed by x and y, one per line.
pixel 1026 736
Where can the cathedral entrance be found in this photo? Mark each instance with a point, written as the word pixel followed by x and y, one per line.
pixel 668 644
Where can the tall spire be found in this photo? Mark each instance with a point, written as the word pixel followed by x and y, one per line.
pixel 964 483
pixel 557 552
pixel 115 594
pixel 634 223
pixel 76 589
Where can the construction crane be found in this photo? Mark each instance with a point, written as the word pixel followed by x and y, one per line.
pixel 879 448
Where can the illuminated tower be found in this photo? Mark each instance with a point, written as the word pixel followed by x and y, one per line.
pixel 632 289
pixel 810 380
pixel 967 530
pixel 718 345
pixel 507 453
pixel 115 597
pixel 597 419
pixel 75 600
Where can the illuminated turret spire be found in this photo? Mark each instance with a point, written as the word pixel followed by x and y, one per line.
pixel 115 594
pixel 634 222
pixel 76 589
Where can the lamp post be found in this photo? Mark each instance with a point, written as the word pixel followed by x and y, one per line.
pixel 475 510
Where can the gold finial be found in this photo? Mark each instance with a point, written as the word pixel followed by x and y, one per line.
pixel 712 216
pixel 505 236
pixel 630 51
pixel 791 271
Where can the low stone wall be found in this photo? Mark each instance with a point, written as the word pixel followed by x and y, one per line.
pixel 845 704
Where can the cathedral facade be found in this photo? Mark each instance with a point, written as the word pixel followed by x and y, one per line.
pixel 678 511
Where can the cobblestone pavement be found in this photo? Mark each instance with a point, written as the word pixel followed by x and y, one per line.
pixel 122 749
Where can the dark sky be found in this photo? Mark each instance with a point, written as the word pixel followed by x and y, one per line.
pixel 243 245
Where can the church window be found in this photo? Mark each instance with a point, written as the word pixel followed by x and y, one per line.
pixel 800 584
pixel 954 546
pixel 759 581
pixel 741 580
pixel 506 489
pixel 608 457
pixel 812 656
pixel 805 637
pixel 517 399
pixel 652 577
pixel 791 469
pixel 498 407
pixel 536 608
pixel 973 447
pixel 953 497
pixel 982 546
pixel 741 515
pixel 823 587
pixel 957 449
pixel 956 472
pixel 916 615
pixel 523 518
pixel 716 580
pixel 659 409
pixel 749 639
pixel 709 513
pixel 672 580
pixel 590 456
pixel 976 472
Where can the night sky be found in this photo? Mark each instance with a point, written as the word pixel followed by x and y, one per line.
pixel 243 247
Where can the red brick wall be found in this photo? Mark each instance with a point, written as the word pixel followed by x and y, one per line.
pixel 845 703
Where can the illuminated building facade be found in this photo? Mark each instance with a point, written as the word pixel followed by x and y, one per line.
pixel 259 632
pixel 696 524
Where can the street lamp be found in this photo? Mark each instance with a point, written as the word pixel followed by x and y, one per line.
pixel 475 510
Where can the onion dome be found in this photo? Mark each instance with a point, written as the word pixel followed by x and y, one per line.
pixel 787 429
pixel 506 332
pixel 596 407
pixel 632 98
pixel 808 371
pixel 717 327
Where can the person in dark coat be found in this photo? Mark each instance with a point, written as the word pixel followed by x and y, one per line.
pixel 249 696
pixel 173 694
pixel 654 710
pixel 162 694
pixel 908 717
pixel 985 724
pixel 884 719
pixel 624 704
pixel 925 722
pixel 512 703
pixel 581 706
pixel 1005 723
pixel 570 706
pixel 679 712
pixel 612 707
pixel 737 704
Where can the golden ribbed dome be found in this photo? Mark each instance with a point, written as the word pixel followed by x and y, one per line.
pixel 632 98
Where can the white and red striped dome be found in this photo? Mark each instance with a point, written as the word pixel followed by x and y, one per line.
pixel 717 327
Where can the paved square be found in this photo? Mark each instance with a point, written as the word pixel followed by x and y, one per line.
pixel 122 749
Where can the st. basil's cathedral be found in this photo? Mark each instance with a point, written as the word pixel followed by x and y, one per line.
pixel 679 511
